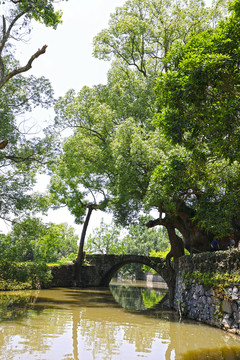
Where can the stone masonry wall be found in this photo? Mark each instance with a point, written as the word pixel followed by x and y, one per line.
pixel 64 276
pixel 214 305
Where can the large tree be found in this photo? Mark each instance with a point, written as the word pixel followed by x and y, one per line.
pixel 113 133
pixel 74 181
pixel 21 153
pixel 199 109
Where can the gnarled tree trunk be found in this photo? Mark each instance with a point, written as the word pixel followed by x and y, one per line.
pixel 194 239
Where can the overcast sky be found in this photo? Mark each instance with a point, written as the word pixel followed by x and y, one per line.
pixel 68 64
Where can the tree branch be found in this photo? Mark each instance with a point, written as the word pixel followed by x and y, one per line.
pixel 6 32
pixel 23 68
pixel 3 144
pixel 19 159
pixel 155 222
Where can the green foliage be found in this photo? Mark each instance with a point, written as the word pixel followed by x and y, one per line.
pixel 216 281
pixel 41 11
pixel 136 239
pixel 151 298
pixel 117 153
pixel 161 254
pixel 74 182
pixel 14 305
pixel 198 98
pixel 136 298
pixel 140 33
pixel 198 111
pixel 143 241
pixel 24 154
pixel 154 253
pixel 57 242
pixel 105 240
pixel 32 240
pixel 16 276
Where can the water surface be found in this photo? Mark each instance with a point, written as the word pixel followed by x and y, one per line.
pixel 88 324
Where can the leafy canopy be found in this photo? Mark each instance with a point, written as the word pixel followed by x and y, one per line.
pixel 116 144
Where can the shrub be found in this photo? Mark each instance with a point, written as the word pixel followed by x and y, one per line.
pixel 14 276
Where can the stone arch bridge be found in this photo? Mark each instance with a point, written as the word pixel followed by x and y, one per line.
pixel 101 268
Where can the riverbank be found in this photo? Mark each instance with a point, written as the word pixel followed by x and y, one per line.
pixel 208 289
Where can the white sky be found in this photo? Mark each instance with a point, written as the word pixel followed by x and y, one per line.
pixel 68 64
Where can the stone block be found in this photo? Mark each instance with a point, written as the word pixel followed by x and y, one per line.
pixel 210 300
pixel 228 292
pixel 235 306
pixel 226 306
pixel 195 296
pixel 236 317
pixel 227 321
pixel 212 311
pixel 216 300
pixel 209 292
pixel 235 293
pixel 201 290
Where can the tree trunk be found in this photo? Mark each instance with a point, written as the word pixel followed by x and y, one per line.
pixel 80 257
pixel 177 250
pixel 195 239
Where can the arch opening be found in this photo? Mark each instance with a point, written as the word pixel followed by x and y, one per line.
pixel 132 262
pixel 137 290
pixel 134 272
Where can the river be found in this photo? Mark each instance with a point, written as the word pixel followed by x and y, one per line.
pixel 107 324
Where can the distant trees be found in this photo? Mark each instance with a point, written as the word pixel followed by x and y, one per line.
pixel 33 240
pixel 105 239
pixel 135 239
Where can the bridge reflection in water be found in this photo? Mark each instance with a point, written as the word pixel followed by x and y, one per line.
pixel 74 324
pixel 136 296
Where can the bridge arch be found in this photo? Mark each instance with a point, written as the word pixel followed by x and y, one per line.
pixel 108 265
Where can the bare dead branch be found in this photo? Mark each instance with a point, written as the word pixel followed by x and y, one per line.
pixel 23 68
pixel 7 32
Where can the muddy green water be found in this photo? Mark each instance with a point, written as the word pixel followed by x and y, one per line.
pixel 73 324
